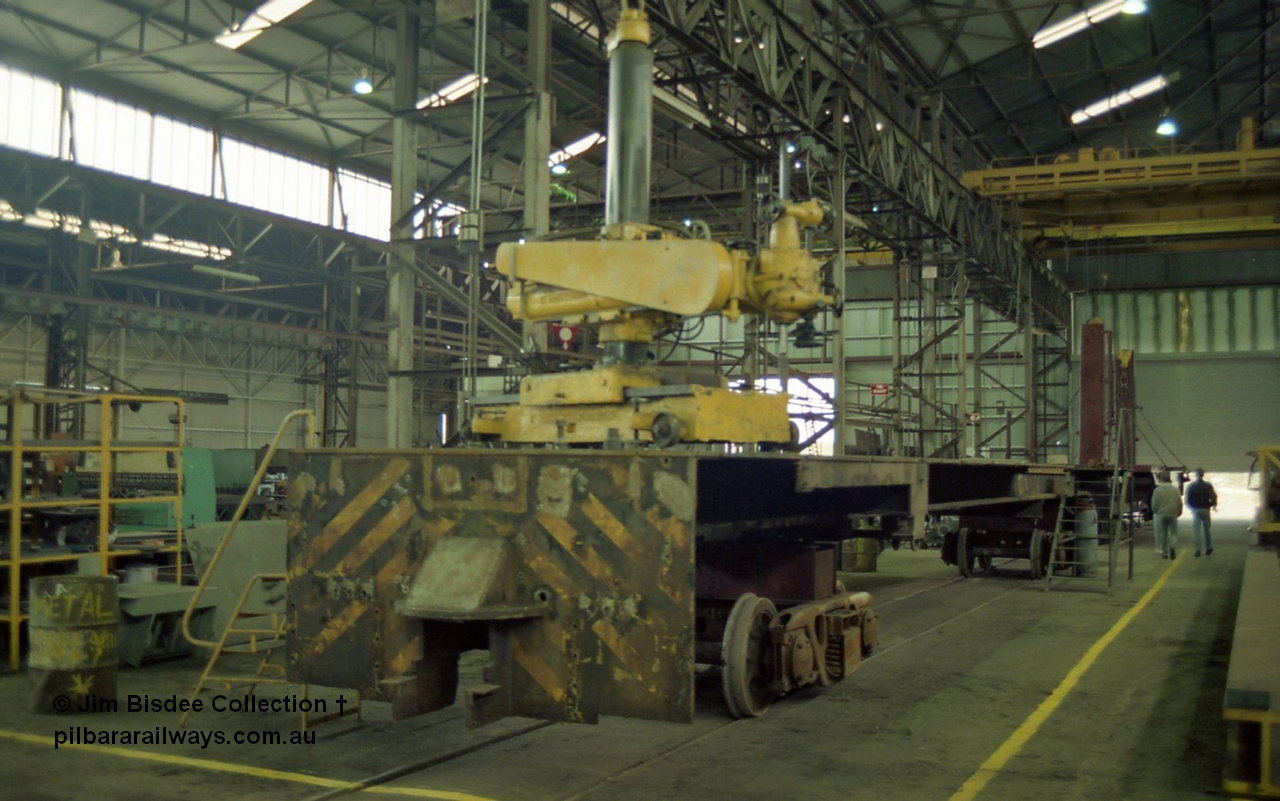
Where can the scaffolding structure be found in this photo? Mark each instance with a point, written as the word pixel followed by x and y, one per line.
pixel 34 465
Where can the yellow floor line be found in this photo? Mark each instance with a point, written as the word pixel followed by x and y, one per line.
pixel 242 770
pixel 1007 750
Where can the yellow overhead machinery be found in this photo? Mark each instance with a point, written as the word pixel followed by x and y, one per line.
pixel 638 279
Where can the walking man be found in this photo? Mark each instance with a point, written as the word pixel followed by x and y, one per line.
pixel 1166 508
pixel 1200 499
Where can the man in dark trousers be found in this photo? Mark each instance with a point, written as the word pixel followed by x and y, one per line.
pixel 1200 499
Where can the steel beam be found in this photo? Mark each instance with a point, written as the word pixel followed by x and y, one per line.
pixel 400 276
pixel 791 62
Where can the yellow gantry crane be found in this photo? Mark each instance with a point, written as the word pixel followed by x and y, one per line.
pixel 1108 195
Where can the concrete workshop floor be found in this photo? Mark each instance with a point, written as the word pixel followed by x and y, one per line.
pixel 962 665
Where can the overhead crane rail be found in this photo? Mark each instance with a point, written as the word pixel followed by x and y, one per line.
pixel 1108 169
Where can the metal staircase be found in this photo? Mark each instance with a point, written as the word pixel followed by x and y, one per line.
pixel 266 637
pixel 253 631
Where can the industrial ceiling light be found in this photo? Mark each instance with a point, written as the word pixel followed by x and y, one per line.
pixel 257 21
pixel 575 148
pixel 363 85
pixel 1167 127
pixel 560 169
pixel 1082 20
pixel 1122 98
pixel 453 92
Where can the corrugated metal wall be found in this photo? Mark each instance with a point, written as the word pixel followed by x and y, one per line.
pixel 263 381
pixel 1208 370
pixel 1222 320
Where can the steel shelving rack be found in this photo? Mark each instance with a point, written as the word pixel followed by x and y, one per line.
pixel 22 495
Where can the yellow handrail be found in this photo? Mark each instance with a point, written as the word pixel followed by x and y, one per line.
pixel 235 519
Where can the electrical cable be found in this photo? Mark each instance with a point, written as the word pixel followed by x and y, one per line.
pixel 1143 432
pixel 1152 429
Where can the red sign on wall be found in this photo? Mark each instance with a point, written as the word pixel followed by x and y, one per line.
pixel 565 335
pixel 879 389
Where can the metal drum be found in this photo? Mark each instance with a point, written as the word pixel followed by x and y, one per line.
pixel 73 628
pixel 1086 538
pixel 866 554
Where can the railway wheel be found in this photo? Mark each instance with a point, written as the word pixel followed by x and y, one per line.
pixel 748 657
pixel 1041 545
pixel 964 552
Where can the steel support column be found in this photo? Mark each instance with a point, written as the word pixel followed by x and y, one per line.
pixel 960 301
pixel 978 354
pixel 67 336
pixel 929 313
pixel 475 237
pixel 537 148
pixel 400 273
pixel 340 363
pixel 839 277
pixel 1029 372
pixel 1053 395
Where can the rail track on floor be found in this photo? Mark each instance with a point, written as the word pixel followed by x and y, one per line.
pixel 940 580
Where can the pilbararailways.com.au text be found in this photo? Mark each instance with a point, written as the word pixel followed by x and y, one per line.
pixel 164 735
pixel 250 704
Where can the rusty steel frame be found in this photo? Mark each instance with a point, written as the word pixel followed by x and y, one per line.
pixel 585 573
pixel 577 569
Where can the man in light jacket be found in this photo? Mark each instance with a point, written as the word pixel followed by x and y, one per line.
pixel 1166 508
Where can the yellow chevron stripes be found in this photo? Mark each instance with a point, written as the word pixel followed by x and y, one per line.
pixel 384 580
pixel 611 637
pixel 611 526
pixel 614 557
pixel 384 583
pixel 675 530
pixel 549 572
pixel 376 536
pixel 539 670
pixel 342 522
pixel 334 629
pixel 675 585
pixel 565 534
pixel 401 662
pixel 438 526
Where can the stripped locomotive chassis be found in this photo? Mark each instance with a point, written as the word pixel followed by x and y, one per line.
pixel 601 582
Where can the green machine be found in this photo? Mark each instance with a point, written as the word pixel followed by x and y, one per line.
pixel 199 497
pixel 233 472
